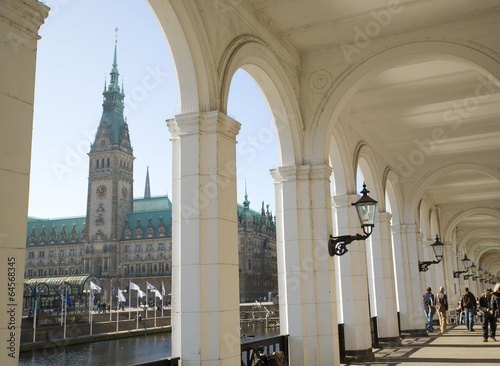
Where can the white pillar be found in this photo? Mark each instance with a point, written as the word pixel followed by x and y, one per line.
pixel 379 246
pixel 351 267
pixel 415 318
pixel 19 25
pixel 205 300
pixel 399 272
pixel 305 270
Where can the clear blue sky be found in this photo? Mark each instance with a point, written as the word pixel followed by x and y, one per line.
pixel 74 57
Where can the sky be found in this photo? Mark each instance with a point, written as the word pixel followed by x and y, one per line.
pixel 74 58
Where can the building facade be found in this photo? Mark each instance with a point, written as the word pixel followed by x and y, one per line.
pixel 123 239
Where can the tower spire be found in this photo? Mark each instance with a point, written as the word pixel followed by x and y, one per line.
pixel 113 103
pixel 147 189
pixel 246 202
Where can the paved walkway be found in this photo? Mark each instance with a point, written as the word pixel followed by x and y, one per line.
pixel 458 347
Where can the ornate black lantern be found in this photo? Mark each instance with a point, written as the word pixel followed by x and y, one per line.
pixel 366 207
pixel 473 269
pixel 438 249
pixel 466 262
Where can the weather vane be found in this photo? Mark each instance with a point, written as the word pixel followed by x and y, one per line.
pixel 116 35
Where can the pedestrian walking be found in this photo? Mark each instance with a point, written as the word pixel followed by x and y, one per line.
pixel 495 301
pixel 468 305
pixel 429 308
pixel 442 305
pixel 488 319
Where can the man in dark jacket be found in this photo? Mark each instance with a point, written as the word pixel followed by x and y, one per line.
pixel 428 303
pixel 442 308
pixel 488 318
pixel 468 305
pixel 495 301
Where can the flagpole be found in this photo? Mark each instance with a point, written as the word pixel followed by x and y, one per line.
pixel 162 297
pixel 111 301
pixel 90 299
pixel 34 318
pixel 62 292
pixel 137 305
pixel 155 309
pixel 129 303
pixel 90 311
pixel 117 313
pixel 65 311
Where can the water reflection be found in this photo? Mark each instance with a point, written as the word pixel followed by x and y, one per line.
pixel 125 351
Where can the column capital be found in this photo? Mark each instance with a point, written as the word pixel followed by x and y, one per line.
pixel 203 122
pixel 301 172
pixel 383 217
pixel 398 229
pixel 321 171
pixel 26 16
pixel 344 200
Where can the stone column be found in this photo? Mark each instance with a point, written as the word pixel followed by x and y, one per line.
pixel 205 296
pixel 399 273
pixel 305 270
pixel 416 319
pixel 379 246
pixel 19 25
pixel 351 268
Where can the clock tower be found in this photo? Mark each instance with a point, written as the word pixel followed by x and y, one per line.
pixel 111 163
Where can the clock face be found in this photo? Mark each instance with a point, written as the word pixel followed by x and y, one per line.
pixel 124 192
pixel 101 191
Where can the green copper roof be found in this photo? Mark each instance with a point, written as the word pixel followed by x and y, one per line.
pixel 248 213
pixel 144 217
pixel 160 203
pixel 57 225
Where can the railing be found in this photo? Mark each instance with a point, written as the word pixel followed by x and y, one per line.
pixel 162 362
pixel 374 331
pixel 399 323
pixel 267 345
pixel 342 343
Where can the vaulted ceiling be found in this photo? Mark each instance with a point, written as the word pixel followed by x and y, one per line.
pixel 429 112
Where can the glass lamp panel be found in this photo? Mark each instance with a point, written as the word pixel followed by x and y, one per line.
pixel 366 213
pixel 473 268
pixel 438 248
pixel 466 261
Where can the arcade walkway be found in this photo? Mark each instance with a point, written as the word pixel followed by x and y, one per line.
pixel 457 347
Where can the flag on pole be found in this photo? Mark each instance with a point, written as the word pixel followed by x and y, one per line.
pixel 93 286
pixel 133 286
pixel 158 294
pixel 162 288
pixel 121 296
pixel 140 293
pixel 62 290
pixel 68 299
pixel 112 288
pixel 150 286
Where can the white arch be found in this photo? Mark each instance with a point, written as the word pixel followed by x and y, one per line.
pixel 461 215
pixel 186 55
pixel 393 195
pixel 365 159
pixel 429 178
pixel 476 56
pixel 344 180
pixel 254 56
pixel 473 234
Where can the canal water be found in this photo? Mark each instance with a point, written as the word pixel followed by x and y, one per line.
pixel 124 351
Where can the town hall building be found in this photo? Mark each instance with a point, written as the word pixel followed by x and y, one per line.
pixel 123 238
